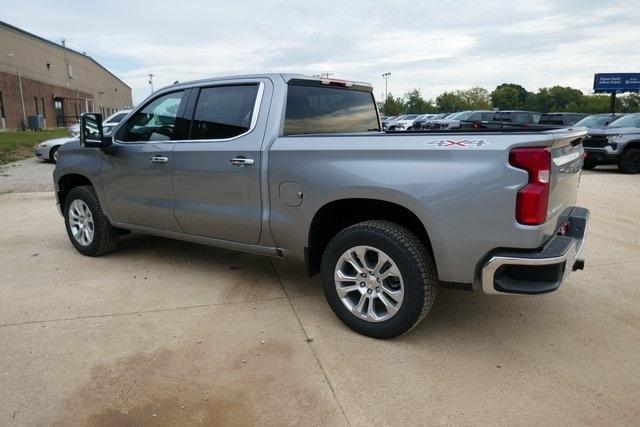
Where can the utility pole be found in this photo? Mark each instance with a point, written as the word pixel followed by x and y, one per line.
pixel 151 81
pixel 386 76
pixel 24 113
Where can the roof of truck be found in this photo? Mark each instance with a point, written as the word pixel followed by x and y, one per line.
pixel 284 76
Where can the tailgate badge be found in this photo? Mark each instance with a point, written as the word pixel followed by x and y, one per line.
pixel 464 143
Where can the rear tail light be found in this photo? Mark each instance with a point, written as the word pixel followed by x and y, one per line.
pixel 533 199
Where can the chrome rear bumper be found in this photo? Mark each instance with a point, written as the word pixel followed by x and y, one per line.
pixel 518 272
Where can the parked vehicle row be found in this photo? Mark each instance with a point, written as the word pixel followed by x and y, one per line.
pixel 479 118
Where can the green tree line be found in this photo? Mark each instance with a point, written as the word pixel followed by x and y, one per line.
pixel 509 96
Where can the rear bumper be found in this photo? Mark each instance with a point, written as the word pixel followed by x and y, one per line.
pixel 526 272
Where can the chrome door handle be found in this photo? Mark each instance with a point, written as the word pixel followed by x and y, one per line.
pixel 241 161
pixel 159 159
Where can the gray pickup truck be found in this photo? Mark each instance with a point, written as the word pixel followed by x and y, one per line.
pixel 297 167
pixel 617 143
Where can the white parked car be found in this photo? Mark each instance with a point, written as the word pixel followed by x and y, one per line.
pixel 113 119
pixel 48 150
pixel 403 122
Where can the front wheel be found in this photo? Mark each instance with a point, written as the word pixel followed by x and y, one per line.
pixel 589 164
pixel 379 278
pixel 53 154
pixel 87 226
pixel 630 161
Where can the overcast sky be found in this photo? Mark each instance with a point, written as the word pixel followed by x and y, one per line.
pixel 432 45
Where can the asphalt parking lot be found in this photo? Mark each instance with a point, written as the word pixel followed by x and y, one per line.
pixel 171 333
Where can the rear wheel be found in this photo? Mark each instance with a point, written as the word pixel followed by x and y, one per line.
pixel 630 161
pixel 87 226
pixel 379 278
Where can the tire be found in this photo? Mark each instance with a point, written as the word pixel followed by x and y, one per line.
pixel 630 161
pixel 53 154
pixel 104 238
pixel 589 164
pixel 418 279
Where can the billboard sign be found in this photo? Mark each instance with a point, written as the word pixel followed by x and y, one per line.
pixel 616 82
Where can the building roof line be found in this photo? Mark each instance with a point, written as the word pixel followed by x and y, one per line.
pixel 52 43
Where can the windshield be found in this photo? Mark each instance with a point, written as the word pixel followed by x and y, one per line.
pixel 596 121
pixel 632 120
pixel 410 117
pixel 461 115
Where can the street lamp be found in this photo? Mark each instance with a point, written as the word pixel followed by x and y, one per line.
pixel 386 76
pixel 151 81
pixel 24 113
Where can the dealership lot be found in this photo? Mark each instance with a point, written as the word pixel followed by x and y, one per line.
pixel 166 331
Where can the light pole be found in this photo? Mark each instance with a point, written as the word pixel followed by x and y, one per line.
pixel 24 113
pixel 386 76
pixel 151 81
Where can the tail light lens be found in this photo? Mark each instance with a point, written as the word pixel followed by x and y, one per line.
pixel 533 199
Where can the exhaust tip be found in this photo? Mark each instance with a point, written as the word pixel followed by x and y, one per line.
pixel 578 265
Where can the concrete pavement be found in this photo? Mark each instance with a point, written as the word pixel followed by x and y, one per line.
pixel 174 333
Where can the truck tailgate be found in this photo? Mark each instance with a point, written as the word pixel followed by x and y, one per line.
pixel 567 156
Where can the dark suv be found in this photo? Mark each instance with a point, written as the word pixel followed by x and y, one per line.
pixel 561 119
pixel 517 117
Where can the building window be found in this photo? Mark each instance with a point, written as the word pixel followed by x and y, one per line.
pixel 44 110
pixel 35 101
pixel 1 106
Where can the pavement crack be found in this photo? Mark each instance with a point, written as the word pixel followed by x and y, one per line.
pixel 129 313
pixel 309 341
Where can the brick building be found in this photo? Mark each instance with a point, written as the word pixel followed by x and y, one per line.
pixel 40 77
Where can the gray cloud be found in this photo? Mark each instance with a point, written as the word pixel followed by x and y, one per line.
pixel 433 46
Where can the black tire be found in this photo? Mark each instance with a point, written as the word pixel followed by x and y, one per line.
pixel 630 161
pixel 105 236
pixel 589 164
pixel 412 259
pixel 53 153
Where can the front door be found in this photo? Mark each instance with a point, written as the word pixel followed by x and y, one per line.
pixel 136 171
pixel 216 173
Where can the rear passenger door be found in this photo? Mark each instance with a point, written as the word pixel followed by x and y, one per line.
pixel 216 172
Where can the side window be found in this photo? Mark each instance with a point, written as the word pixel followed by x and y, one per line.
pixel 155 122
pixel 536 118
pixel 521 118
pixel 223 111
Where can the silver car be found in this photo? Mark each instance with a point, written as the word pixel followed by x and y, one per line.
pixel 48 150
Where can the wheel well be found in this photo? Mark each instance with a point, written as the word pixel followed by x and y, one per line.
pixel 52 149
pixel 632 144
pixel 338 215
pixel 68 182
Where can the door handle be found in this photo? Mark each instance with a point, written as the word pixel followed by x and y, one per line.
pixel 159 159
pixel 241 161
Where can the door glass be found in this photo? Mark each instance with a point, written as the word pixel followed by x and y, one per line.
pixel 155 122
pixel 224 111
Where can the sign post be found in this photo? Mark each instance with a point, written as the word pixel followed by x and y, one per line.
pixel 615 83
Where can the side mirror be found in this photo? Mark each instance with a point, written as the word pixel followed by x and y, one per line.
pixel 91 134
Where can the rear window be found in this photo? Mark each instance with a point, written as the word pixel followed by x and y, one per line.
pixel 317 109
pixel 224 111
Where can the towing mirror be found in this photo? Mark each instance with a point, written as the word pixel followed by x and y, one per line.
pixel 91 134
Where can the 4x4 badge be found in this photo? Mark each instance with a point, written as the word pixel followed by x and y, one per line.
pixel 458 143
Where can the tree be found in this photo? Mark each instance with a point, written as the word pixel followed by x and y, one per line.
pixel 392 106
pixel 509 96
pixel 414 103
pixel 449 102
pixel 476 98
